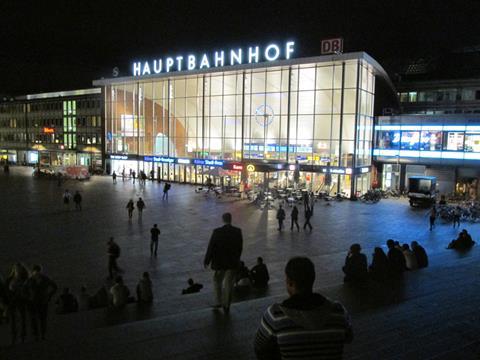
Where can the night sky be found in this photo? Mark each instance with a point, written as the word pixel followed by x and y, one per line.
pixel 49 45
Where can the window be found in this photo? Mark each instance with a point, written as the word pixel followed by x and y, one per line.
pixel 431 140
pixel 410 140
pixel 472 142
pixel 388 139
pixel 412 96
pixel 403 97
pixel 453 141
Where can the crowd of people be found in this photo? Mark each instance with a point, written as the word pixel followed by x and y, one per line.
pixel 399 258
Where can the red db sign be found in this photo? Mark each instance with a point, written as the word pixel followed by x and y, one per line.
pixel 332 46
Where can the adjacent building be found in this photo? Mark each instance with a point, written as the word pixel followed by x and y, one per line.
pixel 437 130
pixel 53 129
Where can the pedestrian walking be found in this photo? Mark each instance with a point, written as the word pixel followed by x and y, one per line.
pixel 294 217
pixel 123 175
pixel 114 177
pixel 40 289
pixel 66 198
pixel 155 232
pixel 433 216
pixel 308 215
pixel 140 206
pixel 113 254
pixel 166 188
pixel 152 175
pixel 130 207
pixel 223 253
pixel 77 199
pixel 280 217
pixel 456 216
pixel 134 174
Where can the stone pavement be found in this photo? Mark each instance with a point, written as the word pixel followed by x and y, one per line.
pixel 434 315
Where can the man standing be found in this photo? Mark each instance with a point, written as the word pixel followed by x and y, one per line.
pixel 155 231
pixel 113 255
pixel 77 199
pixel 140 206
pixel 40 289
pixel 166 188
pixel 280 217
pixel 224 251
pixel 307 324
pixel 114 177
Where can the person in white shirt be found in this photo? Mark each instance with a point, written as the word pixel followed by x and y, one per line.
pixel 410 258
pixel 120 293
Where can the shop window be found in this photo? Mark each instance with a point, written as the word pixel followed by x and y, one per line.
pixel 431 140
pixel 453 141
pixel 412 96
pixel 410 140
pixel 403 97
pixel 388 139
pixel 472 142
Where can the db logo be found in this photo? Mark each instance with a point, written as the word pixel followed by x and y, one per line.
pixel 332 46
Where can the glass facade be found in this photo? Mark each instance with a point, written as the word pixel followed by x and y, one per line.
pixel 318 115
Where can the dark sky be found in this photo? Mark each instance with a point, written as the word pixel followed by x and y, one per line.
pixel 49 45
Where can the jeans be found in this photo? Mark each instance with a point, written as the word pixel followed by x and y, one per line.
pixel 153 247
pixel 223 281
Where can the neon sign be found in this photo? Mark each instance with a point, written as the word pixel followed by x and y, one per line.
pixel 237 167
pixel 48 130
pixel 238 56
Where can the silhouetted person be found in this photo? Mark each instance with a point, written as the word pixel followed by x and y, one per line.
pixel 134 175
pixel 307 325
pixel 155 233
pixel 123 175
pixel 280 217
pixel 259 274
pixel 396 261
pixel 294 217
pixel 66 198
pixel 17 300
pixel 355 267
pixel 77 199
pixel 243 276
pixel 66 302
pixel 113 254
pixel 410 259
pixel 119 293
pixel 223 253
pixel 432 217
pixel 308 215
pixel 40 289
pixel 130 207
pixel 192 287
pixel 378 270
pixel 420 254
pixel 140 206
pixel 457 212
pixel 463 242
pixel 166 188
pixel 114 177
pixel 144 289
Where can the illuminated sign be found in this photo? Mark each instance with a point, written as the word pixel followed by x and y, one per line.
pixel 237 167
pixel 238 56
pixel 163 159
pixel 348 171
pixel 332 46
pixel 48 130
pixel 214 162
pixel 364 170
pixel 250 168
pixel 291 167
pixel 119 157
pixel 148 158
pixel 334 171
pixel 183 161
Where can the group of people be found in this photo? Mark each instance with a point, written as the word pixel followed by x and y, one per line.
pixel 77 199
pixel 256 277
pixel 281 215
pixel 131 206
pixel 142 176
pixel 398 259
pixel 25 294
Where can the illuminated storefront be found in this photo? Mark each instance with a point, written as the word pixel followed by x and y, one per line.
pixel 272 119
pixel 445 146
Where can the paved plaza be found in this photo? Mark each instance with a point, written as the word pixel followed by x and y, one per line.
pixel 434 314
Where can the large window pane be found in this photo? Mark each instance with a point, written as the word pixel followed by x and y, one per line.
pixel 453 141
pixel 472 142
pixel 324 77
pixel 307 79
pixel 410 140
pixel 431 140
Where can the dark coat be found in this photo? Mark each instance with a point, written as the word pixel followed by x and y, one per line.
pixel 225 248
pixel 421 256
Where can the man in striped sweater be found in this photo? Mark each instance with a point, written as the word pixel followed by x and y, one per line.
pixel 306 325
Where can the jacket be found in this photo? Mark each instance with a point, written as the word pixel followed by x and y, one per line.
pixel 225 248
